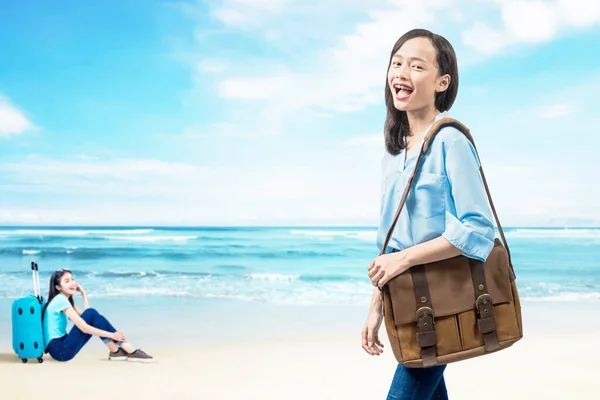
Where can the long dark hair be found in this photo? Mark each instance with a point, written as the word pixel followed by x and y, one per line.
pixel 396 127
pixel 52 291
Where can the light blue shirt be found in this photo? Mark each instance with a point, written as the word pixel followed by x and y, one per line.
pixel 55 320
pixel 447 197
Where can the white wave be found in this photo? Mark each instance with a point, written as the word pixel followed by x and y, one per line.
pixel 327 234
pixel 273 277
pixel 152 239
pixel 145 291
pixel 570 296
pixel 369 236
pixel 31 252
pixel 227 296
pixel 82 232
pixel 555 233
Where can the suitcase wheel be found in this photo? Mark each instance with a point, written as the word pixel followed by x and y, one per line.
pixel 40 360
pixel 24 360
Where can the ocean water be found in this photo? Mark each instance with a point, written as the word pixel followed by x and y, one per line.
pixel 299 266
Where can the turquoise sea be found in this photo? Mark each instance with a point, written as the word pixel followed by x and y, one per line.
pixel 190 285
pixel 282 265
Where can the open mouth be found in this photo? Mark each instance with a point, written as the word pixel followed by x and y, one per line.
pixel 402 91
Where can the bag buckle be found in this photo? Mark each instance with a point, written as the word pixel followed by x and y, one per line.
pixel 423 311
pixel 484 305
pixel 425 327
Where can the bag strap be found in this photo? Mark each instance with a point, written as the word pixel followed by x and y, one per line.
pixel 435 128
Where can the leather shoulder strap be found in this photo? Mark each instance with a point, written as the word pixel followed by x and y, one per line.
pixel 435 128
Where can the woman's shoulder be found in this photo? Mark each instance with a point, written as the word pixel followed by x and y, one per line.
pixel 450 136
pixel 59 302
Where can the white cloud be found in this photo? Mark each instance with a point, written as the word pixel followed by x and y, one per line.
pixel 346 77
pixel 530 22
pixel 221 129
pixel 343 189
pixel 258 88
pixel 12 120
pixel 484 39
pixel 367 141
pixel 210 65
pixel 118 168
pixel 533 191
pixel 230 17
pixel 266 5
pixel 247 14
pixel 579 13
pixel 147 191
pixel 555 111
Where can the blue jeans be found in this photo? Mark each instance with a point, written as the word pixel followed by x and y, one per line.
pixel 418 384
pixel 67 347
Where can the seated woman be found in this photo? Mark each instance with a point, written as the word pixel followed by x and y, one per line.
pixel 60 306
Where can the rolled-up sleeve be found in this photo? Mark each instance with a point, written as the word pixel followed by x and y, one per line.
pixel 470 226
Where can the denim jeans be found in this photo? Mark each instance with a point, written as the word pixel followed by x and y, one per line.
pixel 67 347
pixel 418 384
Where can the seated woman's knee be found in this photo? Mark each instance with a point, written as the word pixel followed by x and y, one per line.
pixel 89 315
pixel 90 310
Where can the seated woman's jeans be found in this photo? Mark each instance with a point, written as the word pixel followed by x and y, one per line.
pixel 418 384
pixel 67 347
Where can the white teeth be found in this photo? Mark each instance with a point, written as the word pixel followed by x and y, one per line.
pixel 402 87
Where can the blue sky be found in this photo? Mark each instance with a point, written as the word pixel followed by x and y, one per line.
pixel 270 112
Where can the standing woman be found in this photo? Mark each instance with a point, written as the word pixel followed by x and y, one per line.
pixel 446 213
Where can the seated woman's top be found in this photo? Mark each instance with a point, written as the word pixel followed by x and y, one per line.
pixel 55 320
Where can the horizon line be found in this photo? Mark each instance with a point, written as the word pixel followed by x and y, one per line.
pixel 34 226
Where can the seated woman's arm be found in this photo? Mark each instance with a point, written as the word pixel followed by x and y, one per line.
pixel 86 304
pixel 83 326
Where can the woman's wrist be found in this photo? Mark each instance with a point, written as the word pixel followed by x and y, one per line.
pixel 376 301
pixel 406 259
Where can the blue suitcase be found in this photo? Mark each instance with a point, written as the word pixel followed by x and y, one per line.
pixel 27 331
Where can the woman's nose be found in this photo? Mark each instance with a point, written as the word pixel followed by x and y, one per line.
pixel 402 72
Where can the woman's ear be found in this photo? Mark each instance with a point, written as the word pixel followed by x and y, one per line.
pixel 443 83
pixel 57 288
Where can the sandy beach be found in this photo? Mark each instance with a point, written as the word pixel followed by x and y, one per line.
pixel 556 360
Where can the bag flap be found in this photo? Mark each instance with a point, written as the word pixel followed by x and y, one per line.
pixel 451 286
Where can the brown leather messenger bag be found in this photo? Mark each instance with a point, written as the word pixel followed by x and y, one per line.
pixel 453 309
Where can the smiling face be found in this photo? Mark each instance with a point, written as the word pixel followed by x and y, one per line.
pixel 67 285
pixel 413 76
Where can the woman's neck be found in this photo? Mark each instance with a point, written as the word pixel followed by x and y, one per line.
pixel 419 121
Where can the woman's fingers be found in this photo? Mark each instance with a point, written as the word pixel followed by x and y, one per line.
pixel 377 277
pixel 370 341
pixel 378 342
pixel 364 340
pixel 367 342
pixel 378 346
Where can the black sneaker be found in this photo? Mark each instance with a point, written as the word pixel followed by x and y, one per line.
pixel 140 356
pixel 119 355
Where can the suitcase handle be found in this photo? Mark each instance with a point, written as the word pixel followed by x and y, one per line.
pixel 36 281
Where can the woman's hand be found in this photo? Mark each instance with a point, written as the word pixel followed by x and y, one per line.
pixel 370 333
pixel 387 266
pixel 80 289
pixel 118 336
